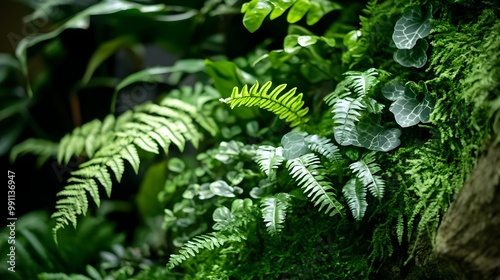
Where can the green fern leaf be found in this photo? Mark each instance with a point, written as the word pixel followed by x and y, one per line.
pixel 323 146
pixel 362 82
pixel 274 212
pixel 149 127
pixel 355 193
pixel 287 106
pixel 269 158
pixel 365 170
pixel 345 114
pixel 306 170
pixel 44 149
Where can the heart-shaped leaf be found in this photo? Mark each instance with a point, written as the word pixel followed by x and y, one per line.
pixel 415 57
pixel 294 145
pixel 377 138
pixel 408 110
pixel 411 27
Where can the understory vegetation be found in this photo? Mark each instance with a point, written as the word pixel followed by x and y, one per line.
pixel 262 139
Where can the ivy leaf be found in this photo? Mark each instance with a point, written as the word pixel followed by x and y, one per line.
pixel 377 138
pixel 294 145
pixel 415 57
pixel 411 27
pixel 408 110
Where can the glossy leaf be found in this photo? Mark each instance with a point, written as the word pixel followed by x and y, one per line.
pixel 257 10
pixel 411 27
pixel 355 194
pixel 415 57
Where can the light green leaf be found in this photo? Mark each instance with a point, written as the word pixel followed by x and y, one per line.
pixel 176 165
pixel 393 90
pixel 411 27
pixel 377 138
pixel 257 10
pixel 415 57
pixel 408 110
pixel 80 21
pixel 294 145
pixel 221 188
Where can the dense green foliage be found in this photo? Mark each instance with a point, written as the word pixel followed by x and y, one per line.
pixel 340 181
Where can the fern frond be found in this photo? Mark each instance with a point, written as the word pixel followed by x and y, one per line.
pixel 287 106
pixel 149 127
pixel 274 212
pixel 323 146
pixel 307 171
pixel 355 193
pixel 362 82
pixel 345 114
pixel 269 158
pixel 208 241
pixel 88 138
pixel 365 170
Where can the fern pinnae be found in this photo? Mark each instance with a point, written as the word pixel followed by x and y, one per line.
pixel 269 158
pixel 287 106
pixel 355 193
pixel 323 146
pixel 365 170
pixel 306 170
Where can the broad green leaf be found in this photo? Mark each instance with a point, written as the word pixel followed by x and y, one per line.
pixel 257 10
pixel 298 11
pixel 408 110
pixel 102 53
pixel 415 57
pixel 147 196
pixel 78 21
pixel 377 138
pixel 222 217
pixel 320 8
pixel 294 145
pixel 221 188
pixel 393 90
pixel 255 13
pixel 293 40
pixel 411 27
